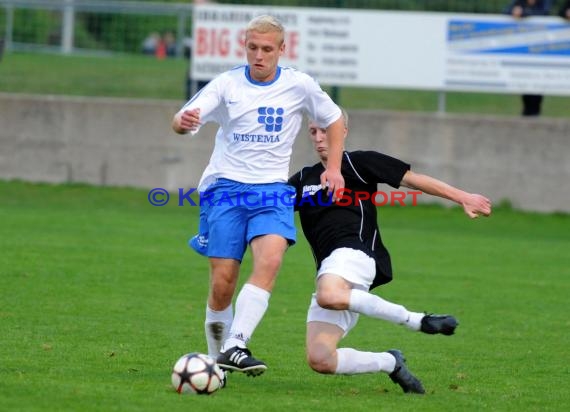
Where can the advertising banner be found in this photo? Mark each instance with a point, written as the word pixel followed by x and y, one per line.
pixel 405 50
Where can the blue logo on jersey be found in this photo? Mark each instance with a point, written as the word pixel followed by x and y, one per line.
pixel 271 117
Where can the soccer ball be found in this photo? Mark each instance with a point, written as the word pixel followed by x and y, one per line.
pixel 196 373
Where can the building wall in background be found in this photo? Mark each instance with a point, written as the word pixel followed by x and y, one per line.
pixel 116 142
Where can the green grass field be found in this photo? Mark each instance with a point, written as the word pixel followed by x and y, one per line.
pixel 99 295
pixel 135 76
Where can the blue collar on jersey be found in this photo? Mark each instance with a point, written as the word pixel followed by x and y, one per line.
pixel 247 75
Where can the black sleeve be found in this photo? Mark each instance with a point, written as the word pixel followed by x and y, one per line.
pixel 378 167
pixel 295 181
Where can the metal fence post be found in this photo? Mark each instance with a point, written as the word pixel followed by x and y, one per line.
pixel 9 27
pixel 180 32
pixel 441 102
pixel 68 27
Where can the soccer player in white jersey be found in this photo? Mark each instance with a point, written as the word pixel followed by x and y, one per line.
pixel 259 108
pixel 351 259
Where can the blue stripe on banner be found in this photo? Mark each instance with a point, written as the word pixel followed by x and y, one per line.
pixel 468 29
pixel 549 49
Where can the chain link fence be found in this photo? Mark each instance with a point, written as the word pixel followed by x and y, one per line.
pixel 95 26
pixel 164 28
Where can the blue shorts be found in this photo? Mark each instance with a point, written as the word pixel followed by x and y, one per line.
pixel 233 213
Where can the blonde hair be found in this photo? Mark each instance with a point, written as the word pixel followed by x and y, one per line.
pixel 266 24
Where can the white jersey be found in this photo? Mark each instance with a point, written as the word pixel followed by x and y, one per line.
pixel 258 122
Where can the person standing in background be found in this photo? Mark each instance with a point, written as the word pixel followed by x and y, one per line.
pixel 532 103
pixel 564 11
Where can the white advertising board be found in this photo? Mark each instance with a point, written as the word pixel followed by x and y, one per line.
pixel 410 50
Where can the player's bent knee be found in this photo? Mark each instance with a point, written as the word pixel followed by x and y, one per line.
pixel 321 362
pixel 330 300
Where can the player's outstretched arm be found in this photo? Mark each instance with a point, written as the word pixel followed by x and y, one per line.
pixel 186 121
pixel 473 204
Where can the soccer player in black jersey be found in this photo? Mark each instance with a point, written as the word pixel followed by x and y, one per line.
pixel 351 258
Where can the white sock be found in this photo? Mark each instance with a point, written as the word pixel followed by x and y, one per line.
pixel 374 306
pixel 251 304
pixel 351 362
pixel 217 327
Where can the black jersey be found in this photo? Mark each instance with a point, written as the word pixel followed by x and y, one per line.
pixel 349 223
